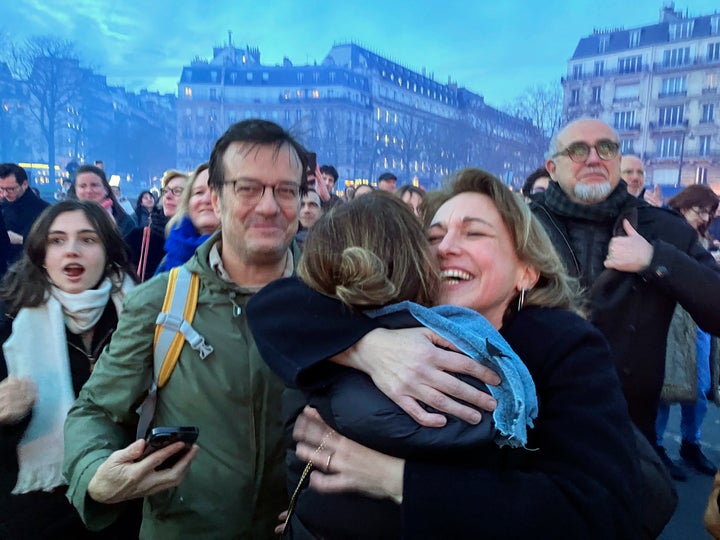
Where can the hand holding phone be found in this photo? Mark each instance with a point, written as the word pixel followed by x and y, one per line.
pixel 161 437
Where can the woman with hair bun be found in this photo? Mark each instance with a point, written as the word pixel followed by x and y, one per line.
pixel 578 475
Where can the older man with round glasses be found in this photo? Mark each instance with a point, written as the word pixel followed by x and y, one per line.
pixel 635 261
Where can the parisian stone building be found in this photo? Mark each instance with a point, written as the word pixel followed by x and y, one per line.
pixel 658 86
pixel 361 112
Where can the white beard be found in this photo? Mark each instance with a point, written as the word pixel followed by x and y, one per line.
pixel 592 193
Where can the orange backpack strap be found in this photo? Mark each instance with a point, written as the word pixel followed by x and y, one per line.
pixel 173 328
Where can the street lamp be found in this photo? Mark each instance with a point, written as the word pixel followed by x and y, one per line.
pixel 682 155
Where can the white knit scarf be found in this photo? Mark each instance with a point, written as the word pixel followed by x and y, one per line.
pixel 37 349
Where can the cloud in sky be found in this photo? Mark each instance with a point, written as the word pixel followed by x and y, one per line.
pixel 494 48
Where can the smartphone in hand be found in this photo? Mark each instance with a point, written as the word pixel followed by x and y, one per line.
pixel 160 437
pixel 312 162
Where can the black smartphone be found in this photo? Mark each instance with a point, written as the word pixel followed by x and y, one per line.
pixel 312 162
pixel 160 437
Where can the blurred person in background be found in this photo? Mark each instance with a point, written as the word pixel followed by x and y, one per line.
pixel 123 200
pixel 90 184
pixel 387 182
pixel 536 182
pixel 20 208
pixel 692 354
pixel 412 196
pixel 193 223
pixel 144 207
pixel 330 175
pixel 173 184
pixel 632 171
pixel 363 189
pixel 310 211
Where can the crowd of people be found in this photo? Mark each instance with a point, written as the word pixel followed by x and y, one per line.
pixel 381 363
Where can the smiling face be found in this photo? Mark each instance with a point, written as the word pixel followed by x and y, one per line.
pixel 200 207
pixel 89 187
pixel 479 266
pixel 257 233
pixel 75 257
pixel 592 181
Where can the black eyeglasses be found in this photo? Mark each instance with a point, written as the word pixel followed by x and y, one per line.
pixel 251 191
pixel 701 212
pixel 579 151
pixel 177 191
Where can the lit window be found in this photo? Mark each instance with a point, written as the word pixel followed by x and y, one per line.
pixel 188 92
pixel 315 94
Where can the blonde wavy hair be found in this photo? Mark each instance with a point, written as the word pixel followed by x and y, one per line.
pixel 554 288
pixel 183 208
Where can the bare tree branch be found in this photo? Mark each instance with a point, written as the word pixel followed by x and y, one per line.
pixel 53 79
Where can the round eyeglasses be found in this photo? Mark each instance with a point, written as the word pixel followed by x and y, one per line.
pixel 579 152
pixel 251 191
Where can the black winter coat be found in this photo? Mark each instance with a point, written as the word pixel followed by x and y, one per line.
pixel 19 217
pixel 633 310
pixel 581 479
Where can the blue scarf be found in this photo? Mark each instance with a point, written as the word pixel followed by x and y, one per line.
pixel 180 245
pixel 473 335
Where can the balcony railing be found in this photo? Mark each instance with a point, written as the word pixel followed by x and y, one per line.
pixel 695 155
pixel 628 127
pixel 679 93
pixel 710 90
pixel 656 66
pixel 665 126
pixel 604 74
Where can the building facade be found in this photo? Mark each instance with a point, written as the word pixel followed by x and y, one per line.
pixel 359 111
pixel 657 85
pixel 63 114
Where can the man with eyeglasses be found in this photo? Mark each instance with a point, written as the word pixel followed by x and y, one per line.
pixel 232 483
pixel 634 260
pixel 20 208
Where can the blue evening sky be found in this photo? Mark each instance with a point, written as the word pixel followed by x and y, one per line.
pixel 494 47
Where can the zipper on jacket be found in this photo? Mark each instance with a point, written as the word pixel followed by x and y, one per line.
pixel 92 356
